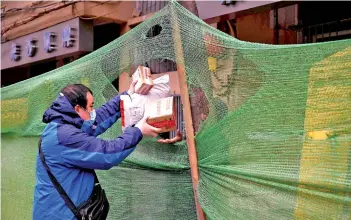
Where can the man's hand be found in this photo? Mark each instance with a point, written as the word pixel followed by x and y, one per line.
pixel 131 89
pixel 146 129
pixel 177 138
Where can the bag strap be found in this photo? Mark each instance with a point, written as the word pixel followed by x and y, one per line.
pixel 95 177
pixel 58 186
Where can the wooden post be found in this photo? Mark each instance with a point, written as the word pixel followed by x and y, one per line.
pixel 190 137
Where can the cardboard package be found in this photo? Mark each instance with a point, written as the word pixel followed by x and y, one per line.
pixel 145 82
pixel 162 114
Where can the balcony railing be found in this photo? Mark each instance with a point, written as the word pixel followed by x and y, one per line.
pixel 329 31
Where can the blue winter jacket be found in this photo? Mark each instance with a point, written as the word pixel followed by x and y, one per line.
pixel 70 144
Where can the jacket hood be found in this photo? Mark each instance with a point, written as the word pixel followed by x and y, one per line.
pixel 61 111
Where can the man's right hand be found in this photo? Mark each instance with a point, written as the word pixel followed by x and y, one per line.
pixel 146 129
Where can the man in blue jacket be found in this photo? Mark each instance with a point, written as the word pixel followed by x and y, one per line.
pixel 71 148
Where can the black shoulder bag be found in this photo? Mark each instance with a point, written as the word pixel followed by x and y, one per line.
pixel 96 207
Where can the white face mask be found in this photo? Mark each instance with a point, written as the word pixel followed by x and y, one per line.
pixel 88 126
pixel 92 114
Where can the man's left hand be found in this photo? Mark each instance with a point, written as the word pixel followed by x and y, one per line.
pixel 131 89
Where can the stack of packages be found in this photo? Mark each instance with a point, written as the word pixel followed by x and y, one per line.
pixel 152 98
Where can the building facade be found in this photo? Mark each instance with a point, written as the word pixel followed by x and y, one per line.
pixel 40 36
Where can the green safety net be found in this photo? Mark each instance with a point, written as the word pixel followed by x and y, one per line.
pixel 274 140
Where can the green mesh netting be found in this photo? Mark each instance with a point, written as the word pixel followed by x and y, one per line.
pixel 276 143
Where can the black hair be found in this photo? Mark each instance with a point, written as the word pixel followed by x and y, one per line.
pixel 76 94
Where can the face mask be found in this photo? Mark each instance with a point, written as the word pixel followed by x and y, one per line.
pixel 92 114
pixel 88 126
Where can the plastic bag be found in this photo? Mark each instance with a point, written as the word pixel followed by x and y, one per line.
pixel 132 107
